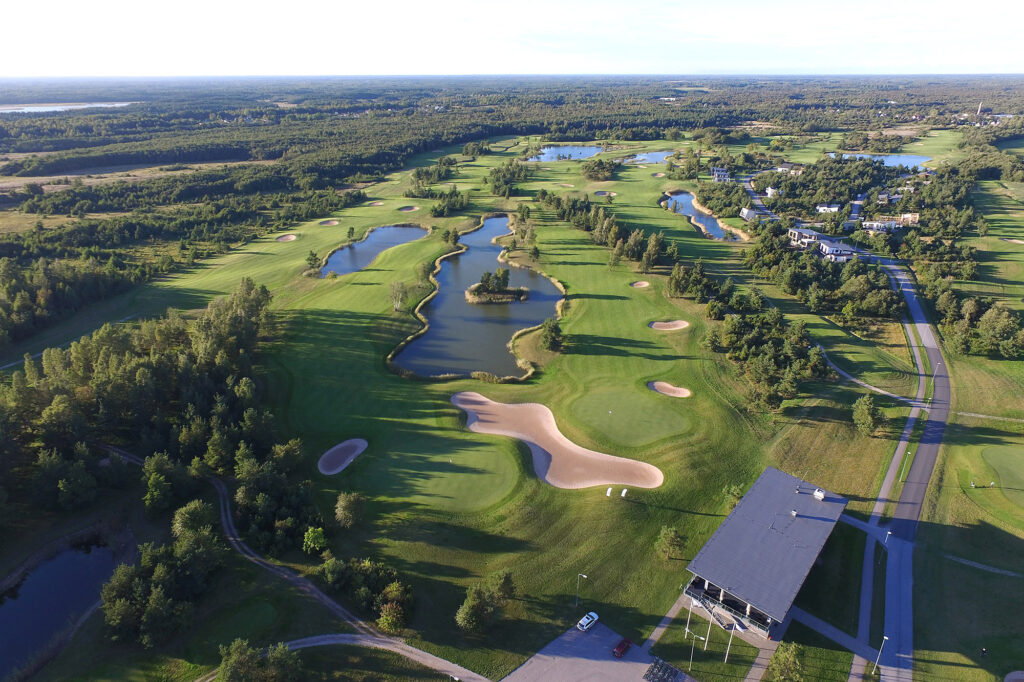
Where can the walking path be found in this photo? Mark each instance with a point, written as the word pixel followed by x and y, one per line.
pixel 858 647
pixel 367 634
pixel 665 622
pixel 983 567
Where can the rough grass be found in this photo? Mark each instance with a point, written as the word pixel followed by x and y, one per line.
pixel 832 589
pixel 822 659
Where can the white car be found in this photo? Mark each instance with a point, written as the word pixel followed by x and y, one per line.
pixel 587 621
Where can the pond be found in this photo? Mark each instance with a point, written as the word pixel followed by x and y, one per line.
pixel 651 158
pixel 567 151
pixel 359 255
pixel 43 108
pixel 50 598
pixel 465 337
pixel 893 160
pixel 682 202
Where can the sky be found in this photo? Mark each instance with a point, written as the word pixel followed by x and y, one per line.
pixel 65 38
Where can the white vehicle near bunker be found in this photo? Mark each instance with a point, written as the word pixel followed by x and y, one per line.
pixel 587 621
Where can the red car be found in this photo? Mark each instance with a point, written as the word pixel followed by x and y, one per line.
pixel 621 648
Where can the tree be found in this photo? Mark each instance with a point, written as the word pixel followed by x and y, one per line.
pixel 785 665
pixel 392 617
pixel 535 252
pixel 866 415
pixel 195 517
pixel 158 495
pixel 312 260
pixel 314 541
pixel 551 334
pixel 670 541
pixel 349 509
pixel 399 294
pixel 239 662
pixel 478 610
pixel 503 585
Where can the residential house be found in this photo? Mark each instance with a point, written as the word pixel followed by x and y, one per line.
pixel 790 168
pixel 719 174
pixel 877 226
pixel 748 214
pixel 827 208
pixel 835 251
pixel 772 192
pixel 802 237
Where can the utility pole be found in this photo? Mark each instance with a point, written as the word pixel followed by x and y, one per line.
pixel 885 639
pixel 578 576
pixel 732 631
pixel 693 642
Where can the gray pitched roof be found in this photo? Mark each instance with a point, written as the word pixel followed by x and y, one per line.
pixel 762 553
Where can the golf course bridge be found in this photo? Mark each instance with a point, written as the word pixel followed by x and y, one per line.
pixel 754 565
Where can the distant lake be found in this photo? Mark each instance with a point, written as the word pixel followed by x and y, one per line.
pixel 568 151
pixel 52 596
pixel 359 255
pixel 908 160
pixel 43 108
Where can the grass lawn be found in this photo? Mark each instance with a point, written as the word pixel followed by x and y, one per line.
pixel 361 664
pixel 984 525
pixel 832 589
pixel 822 659
pixel 449 506
pixel 674 647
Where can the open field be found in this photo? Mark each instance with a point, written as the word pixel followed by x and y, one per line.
pixel 992 385
pixel 983 525
pixel 449 506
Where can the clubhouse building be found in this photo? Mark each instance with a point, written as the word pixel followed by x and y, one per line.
pixel 752 568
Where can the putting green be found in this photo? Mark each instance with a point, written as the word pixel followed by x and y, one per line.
pixel 629 416
pixel 1008 461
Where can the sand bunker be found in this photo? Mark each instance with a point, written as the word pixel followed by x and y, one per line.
pixel 1012 241
pixel 286 238
pixel 658 175
pixel 640 165
pixel 669 326
pixel 565 184
pixel 376 203
pixel 328 222
pixel 665 388
pixel 640 285
pixel 556 459
pixel 1015 676
pixel 340 456
pixel 409 209
pixel 604 193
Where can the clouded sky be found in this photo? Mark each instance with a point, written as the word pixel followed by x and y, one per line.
pixel 371 37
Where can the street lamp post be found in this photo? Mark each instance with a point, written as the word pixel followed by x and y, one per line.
pixel 693 642
pixel 732 631
pixel 578 576
pixel 887 534
pixel 884 640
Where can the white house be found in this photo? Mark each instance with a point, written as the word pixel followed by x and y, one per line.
pixel 802 237
pixel 790 168
pixel 834 251
pixel 772 192
pixel 719 174
pixel 876 226
pixel 748 214
pixel 827 208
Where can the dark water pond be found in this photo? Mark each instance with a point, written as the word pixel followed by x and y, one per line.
pixel 682 202
pixel 51 597
pixel 360 254
pixel 568 151
pixel 908 160
pixel 465 337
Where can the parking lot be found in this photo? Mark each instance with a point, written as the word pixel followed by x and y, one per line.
pixel 584 656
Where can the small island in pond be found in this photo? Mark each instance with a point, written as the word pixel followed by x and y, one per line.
pixel 493 288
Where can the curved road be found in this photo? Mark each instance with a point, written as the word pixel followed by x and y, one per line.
pixel 367 634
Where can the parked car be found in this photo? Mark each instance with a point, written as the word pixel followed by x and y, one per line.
pixel 587 621
pixel 621 648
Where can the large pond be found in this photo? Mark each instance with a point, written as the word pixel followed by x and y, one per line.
pixel 50 598
pixel 568 151
pixel 465 337
pixel 682 202
pixel 43 108
pixel 908 160
pixel 651 158
pixel 360 254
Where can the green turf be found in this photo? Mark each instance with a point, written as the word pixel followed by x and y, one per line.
pixel 674 647
pixel 361 664
pixel 832 589
pixel 628 417
pixel 1008 463
pixel 822 659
